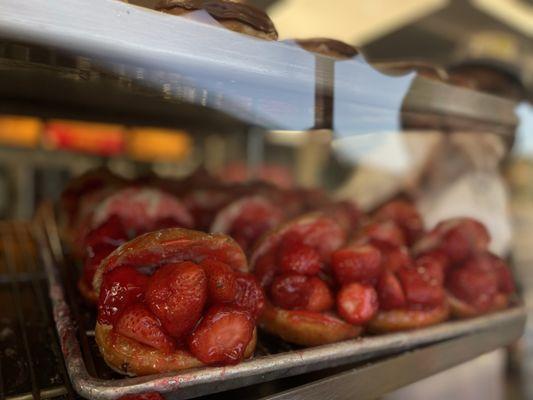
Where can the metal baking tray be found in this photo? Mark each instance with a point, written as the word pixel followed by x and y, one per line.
pixel 449 343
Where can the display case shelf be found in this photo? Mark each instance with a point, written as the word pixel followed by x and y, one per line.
pixel 263 83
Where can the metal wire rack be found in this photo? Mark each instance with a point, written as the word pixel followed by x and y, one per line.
pixel 31 363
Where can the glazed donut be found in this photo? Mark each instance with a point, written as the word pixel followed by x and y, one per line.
pixel 153 293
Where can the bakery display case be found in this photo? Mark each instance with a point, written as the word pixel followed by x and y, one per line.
pixel 193 207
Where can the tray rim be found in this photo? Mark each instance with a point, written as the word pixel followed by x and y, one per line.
pixel 254 370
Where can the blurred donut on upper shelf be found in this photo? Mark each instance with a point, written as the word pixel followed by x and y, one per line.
pixel 236 16
pixel 328 47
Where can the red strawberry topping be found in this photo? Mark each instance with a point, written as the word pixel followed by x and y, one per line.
pixel 137 323
pixel 357 303
pixel 120 288
pixel 177 294
pixel 356 263
pixel 222 336
pixel 221 281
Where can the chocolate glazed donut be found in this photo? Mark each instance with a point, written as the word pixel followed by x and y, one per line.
pixel 238 17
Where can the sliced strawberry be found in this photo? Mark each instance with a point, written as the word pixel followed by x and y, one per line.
pixel 390 292
pixel 462 238
pixel 421 289
pixel 357 303
pixel 290 291
pixel 431 268
pixel 356 263
pixel 406 216
pixel 177 294
pixel 320 297
pixel 297 258
pixel 249 294
pixel 505 277
pixel 474 286
pixel 491 263
pixel 139 324
pixel 393 257
pixel 221 281
pixel 385 232
pixel 266 267
pixel 222 336
pixel 120 288
pixel 439 257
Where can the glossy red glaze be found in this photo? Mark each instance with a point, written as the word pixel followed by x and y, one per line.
pixel 249 295
pixel 222 336
pixel 120 288
pixel 357 303
pixel 177 294
pixel 356 263
pixel 266 268
pixel 139 324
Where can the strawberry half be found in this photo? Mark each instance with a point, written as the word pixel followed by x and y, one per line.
pixel 120 287
pixel 474 286
pixel 139 324
pixel 320 297
pixel 357 303
pixel 222 336
pixel 296 257
pixel 390 292
pixel 357 263
pixel 420 288
pixel 221 281
pixel 177 294
pixel 290 291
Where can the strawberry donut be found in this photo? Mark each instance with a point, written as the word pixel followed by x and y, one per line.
pixel 293 264
pixel 121 216
pixel 175 299
pixel 247 219
pixel 477 282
